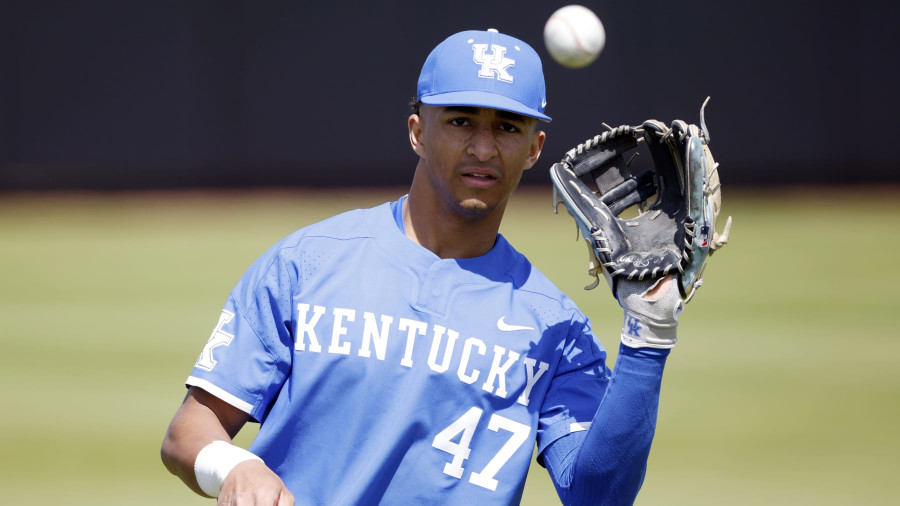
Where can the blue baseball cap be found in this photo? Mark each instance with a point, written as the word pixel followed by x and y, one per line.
pixel 484 69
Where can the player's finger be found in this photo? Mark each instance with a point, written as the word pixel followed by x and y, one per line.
pixel 264 497
pixel 286 498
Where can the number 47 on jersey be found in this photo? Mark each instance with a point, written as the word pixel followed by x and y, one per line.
pixel 465 427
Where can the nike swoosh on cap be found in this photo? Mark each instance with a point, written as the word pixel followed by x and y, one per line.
pixel 506 327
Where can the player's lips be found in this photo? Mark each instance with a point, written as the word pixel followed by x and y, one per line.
pixel 480 177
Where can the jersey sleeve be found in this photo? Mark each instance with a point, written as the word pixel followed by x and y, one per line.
pixel 248 355
pixel 577 387
pixel 606 464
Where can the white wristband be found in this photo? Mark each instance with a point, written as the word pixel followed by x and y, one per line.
pixel 215 461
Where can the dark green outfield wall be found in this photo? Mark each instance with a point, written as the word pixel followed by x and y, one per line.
pixel 112 94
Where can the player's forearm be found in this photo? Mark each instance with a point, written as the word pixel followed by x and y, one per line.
pixel 606 463
pixel 201 419
pixel 186 436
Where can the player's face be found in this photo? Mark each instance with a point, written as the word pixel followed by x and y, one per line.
pixel 474 157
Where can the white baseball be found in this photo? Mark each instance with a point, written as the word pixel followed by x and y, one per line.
pixel 574 36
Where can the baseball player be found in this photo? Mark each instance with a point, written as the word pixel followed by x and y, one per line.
pixel 408 354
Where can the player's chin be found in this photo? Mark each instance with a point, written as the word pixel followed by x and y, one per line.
pixel 475 207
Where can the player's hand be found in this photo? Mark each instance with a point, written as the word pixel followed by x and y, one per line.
pixel 651 312
pixel 252 483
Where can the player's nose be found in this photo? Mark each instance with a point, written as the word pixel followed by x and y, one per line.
pixel 482 144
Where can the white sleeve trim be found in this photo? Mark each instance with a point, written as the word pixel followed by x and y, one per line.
pixel 579 426
pixel 194 381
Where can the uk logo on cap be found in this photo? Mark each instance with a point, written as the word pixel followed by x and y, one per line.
pixel 484 69
pixel 493 64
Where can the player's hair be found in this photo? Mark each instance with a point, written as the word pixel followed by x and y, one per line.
pixel 414 105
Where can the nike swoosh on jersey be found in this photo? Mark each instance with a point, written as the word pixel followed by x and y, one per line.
pixel 506 327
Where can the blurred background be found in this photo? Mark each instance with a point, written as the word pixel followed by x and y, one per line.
pixel 168 94
pixel 150 151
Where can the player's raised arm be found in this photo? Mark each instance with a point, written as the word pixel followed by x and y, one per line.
pixel 605 464
pixel 653 264
pixel 198 449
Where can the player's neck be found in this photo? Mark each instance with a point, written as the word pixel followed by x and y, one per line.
pixel 448 235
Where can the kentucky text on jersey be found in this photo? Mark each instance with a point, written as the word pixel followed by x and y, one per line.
pixel 368 337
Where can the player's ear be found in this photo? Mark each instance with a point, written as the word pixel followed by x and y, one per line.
pixel 414 123
pixel 537 145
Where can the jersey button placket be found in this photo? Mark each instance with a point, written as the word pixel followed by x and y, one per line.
pixel 436 286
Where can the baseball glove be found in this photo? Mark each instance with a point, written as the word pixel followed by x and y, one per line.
pixel 671 234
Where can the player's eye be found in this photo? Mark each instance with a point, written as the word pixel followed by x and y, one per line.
pixel 509 127
pixel 459 122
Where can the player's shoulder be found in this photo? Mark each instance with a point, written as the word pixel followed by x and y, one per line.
pixel 324 237
pixel 553 307
pixel 348 225
pixel 531 282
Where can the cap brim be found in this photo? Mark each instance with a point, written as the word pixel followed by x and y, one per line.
pixel 483 99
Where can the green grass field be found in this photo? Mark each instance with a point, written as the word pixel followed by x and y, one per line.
pixel 784 388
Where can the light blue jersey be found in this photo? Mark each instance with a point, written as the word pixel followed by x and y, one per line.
pixel 382 374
